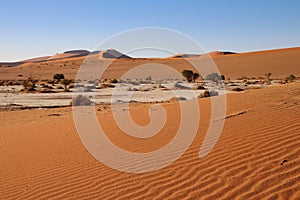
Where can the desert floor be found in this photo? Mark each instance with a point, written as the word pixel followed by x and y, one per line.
pixel 256 157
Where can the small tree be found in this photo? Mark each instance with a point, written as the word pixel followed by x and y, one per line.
pixel 188 75
pixel 195 76
pixel 214 77
pixel 268 77
pixel 66 82
pixel 58 77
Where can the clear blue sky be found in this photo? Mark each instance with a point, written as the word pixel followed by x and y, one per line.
pixel 42 27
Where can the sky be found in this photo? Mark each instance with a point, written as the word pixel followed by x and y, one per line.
pixel 35 28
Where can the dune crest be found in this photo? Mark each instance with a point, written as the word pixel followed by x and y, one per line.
pixel 69 54
pixel 281 63
pixel 111 54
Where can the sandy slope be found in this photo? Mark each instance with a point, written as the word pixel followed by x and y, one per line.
pixel 42 156
pixel 280 63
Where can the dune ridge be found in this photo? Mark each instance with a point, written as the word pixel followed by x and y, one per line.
pixel 281 63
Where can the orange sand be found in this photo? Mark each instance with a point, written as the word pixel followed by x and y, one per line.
pixel 42 156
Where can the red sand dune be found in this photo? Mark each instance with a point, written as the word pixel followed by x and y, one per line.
pixel 280 62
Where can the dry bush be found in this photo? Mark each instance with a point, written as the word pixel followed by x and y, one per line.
pixel 291 78
pixel 181 99
pixel 200 87
pixel 237 89
pixel 81 100
pixel 207 93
